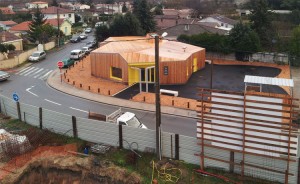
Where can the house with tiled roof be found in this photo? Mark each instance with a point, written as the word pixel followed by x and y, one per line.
pixel 40 4
pixel 6 25
pixel 134 61
pixel 9 38
pixel 53 11
pixel 6 11
pixel 222 21
pixel 21 28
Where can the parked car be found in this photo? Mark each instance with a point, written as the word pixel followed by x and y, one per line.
pixel 91 44
pixel 88 30
pixel 37 56
pixel 75 39
pixel 68 62
pixel 4 76
pixel 77 54
pixel 84 25
pixel 83 36
pixel 86 50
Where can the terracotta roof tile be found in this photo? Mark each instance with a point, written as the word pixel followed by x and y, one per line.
pixel 7 36
pixel 7 11
pixel 53 22
pixel 54 9
pixel 24 26
pixel 8 22
pixel 39 2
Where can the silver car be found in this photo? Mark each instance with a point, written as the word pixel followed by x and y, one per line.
pixel 37 56
pixel 4 75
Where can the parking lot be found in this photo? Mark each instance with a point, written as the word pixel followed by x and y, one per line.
pixel 225 77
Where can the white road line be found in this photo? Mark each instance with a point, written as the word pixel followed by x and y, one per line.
pixel 46 74
pixel 42 73
pixel 78 110
pixel 31 92
pixel 30 71
pixel 38 71
pixel 26 71
pixel 52 102
pixel 23 70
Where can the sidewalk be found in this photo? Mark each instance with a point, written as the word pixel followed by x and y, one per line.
pixel 54 82
pixel 296 77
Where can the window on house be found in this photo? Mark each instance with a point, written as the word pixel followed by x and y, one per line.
pixel 222 24
pixel 70 15
pixel 116 72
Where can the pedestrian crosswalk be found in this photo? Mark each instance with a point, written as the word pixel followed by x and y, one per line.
pixel 34 72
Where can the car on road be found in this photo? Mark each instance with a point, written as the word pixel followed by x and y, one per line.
pixel 75 39
pixel 84 25
pixel 4 75
pixel 88 30
pixel 86 50
pixel 77 54
pixel 37 56
pixel 91 44
pixel 68 62
pixel 83 36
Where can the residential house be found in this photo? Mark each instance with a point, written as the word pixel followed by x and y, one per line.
pixel 19 7
pixel 20 29
pixel 110 8
pixel 81 7
pixel 6 11
pixel 134 61
pixel 10 38
pixel 40 4
pixel 53 11
pixel 64 25
pixel 222 21
pixel 104 10
pixel 6 25
pixel 183 13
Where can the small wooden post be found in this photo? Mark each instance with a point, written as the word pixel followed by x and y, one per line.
pixel 108 92
pixel 74 83
pixel 75 133
pixel 98 90
pixel 144 99
pixel 176 147
pixel 188 105
pixel 80 85
pixel 41 117
pixel 89 87
pixel 19 111
pixel 231 165
pixel 120 137
pixel 173 103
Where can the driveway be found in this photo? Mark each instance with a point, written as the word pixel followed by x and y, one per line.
pixel 225 77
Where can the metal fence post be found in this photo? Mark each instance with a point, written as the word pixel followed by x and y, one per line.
pixel 19 111
pixel 120 137
pixel 231 164
pixel 176 147
pixel 75 133
pixel 41 117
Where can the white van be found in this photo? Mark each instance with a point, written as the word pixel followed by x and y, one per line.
pixel 77 54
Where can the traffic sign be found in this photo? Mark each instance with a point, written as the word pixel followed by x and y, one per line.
pixel 15 97
pixel 60 64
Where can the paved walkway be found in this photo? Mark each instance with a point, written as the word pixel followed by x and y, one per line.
pixel 54 81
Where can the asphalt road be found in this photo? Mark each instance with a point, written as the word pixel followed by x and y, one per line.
pixel 30 84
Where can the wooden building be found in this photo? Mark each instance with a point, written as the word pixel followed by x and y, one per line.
pixel 132 59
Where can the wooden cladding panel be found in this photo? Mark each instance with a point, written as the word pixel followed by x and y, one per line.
pixel 176 72
pixel 101 64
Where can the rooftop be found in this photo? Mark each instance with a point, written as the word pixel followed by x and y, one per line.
pixel 7 36
pixel 24 26
pixel 54 10
pixel 8 22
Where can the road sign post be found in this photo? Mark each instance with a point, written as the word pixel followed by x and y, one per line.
pixel 60 64
pixel 15 97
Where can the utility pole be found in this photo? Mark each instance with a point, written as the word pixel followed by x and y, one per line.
pixel 157 97
pixel 58 29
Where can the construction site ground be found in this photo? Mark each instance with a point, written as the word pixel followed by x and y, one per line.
pixel 59 159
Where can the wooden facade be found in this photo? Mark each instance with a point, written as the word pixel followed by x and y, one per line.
pixel 172 70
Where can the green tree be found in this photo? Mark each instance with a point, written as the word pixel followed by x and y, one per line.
pixel 4 48
pixel 291 4
pixel 54 3
pixel 141 10
pixel 244 41
pixel 102 33
pixel 294 47
pixel 125 25
pixel 261 22
pixel 124 8
pixel 35 27
pixel 77 18
pixel 158 10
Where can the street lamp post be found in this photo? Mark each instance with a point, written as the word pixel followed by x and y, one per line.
pixel 157 98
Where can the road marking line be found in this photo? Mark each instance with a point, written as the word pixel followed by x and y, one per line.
pixel 40 74
pixel 44 76
pixel 30 71
pixel 78 109
pixel 26 70
pixel 38 71
pixel 31 92
pixel 52 102
pixel 23 70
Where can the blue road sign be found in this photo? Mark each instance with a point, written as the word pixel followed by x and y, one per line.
pixel 15 97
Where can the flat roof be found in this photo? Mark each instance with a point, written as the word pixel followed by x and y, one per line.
pixel 269 81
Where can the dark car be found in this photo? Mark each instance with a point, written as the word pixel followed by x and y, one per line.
pixel 75 39
pixel 91 44
pixel 68 62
